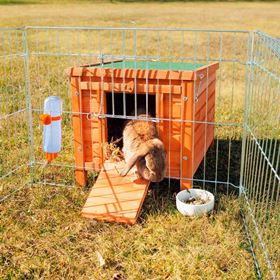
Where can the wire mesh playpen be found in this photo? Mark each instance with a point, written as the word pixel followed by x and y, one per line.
pixel 244 156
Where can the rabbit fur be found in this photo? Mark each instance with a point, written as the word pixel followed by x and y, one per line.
pixel 142 146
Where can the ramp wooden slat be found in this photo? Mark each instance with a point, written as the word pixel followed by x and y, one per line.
pixel 114 198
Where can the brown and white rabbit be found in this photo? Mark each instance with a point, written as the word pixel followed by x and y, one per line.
pixel 142 146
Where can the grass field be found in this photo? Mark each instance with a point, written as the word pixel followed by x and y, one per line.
pixel 43 237
pixel 41 233
pixel 247 16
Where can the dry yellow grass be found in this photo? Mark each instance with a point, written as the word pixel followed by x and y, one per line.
pixel 248 16
pixel 43 237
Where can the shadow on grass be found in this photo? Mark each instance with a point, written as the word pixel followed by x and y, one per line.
pixel 225 168
pixel 221 165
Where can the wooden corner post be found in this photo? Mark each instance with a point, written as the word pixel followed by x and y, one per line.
pixel 187 132
pixel 80 172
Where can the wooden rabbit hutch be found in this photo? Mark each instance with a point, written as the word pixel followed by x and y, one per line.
pixel 183 96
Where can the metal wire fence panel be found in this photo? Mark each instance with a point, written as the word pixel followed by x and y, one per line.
pixel 53 50
pixel 14 140
pixel 237 135
pixel 262 152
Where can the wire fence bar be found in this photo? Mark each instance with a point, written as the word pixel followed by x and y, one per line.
pixel 156 119
pixel 264 154
pixel 261 242
pixel 43 163
pixel 130 57
pixel 28 101
pixel 12 114
pixel 248 236
pixel 12 171
pixel 11 193
pixel 134 29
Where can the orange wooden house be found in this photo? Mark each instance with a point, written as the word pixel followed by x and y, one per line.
pixel 183 97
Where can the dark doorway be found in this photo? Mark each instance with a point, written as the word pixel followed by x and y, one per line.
pixel 124 105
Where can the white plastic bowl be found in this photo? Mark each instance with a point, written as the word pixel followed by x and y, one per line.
pixel 194 210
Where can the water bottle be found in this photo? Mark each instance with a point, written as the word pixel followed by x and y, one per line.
pixel 51 120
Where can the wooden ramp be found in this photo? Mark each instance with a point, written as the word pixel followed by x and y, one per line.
pixel 114 198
